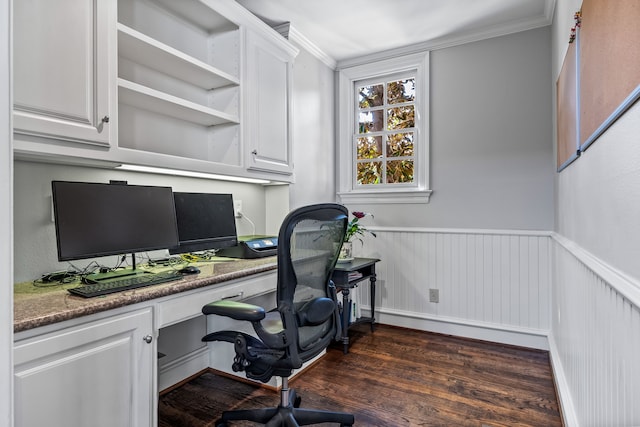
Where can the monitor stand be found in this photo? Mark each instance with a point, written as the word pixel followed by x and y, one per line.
pixel 117 274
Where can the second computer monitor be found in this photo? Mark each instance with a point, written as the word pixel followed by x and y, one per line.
pixel 205 221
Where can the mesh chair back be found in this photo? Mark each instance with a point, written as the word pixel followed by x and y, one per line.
pixel 308 247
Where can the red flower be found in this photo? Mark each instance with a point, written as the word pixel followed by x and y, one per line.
pixel 354 229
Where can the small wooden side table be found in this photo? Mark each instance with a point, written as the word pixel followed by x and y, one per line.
pixel 366 267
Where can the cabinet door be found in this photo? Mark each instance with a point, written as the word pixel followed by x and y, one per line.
pixel 267 108
pixel 98 374
pixel 61 69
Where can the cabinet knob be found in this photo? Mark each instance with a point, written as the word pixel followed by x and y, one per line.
pixel 148 339
pixel 254 152
pixel 105 119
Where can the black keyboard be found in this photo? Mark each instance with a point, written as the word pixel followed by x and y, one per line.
pixel 102 288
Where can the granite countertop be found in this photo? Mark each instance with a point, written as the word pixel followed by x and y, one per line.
pixel 36 306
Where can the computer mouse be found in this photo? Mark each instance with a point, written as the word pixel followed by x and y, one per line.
pixel 190 269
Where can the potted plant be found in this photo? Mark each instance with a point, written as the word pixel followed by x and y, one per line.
pixel 355 231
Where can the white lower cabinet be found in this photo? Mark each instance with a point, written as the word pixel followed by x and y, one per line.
pixel 98 373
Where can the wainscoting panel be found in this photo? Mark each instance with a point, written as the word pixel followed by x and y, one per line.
pixel 595 340
pixel 490 279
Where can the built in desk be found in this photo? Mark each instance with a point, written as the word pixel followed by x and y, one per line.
pixel 67 348
pixel 346 276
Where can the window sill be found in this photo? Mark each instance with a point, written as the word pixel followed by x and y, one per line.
pixel 385 197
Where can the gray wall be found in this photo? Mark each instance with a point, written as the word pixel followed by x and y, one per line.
pixel 598 204
pixel 491 138
pixel 313 131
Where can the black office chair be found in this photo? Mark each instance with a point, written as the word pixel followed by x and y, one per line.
pixel 304 323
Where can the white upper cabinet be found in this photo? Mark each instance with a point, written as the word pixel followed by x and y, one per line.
pixel 196 85
pixel 62 71
pixel 267 105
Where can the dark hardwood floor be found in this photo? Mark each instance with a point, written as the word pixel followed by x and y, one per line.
pixel 395 377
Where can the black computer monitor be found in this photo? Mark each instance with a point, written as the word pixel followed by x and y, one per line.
pixel 205 221
pixel 95 219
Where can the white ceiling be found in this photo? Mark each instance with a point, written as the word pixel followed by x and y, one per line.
pixel 345 29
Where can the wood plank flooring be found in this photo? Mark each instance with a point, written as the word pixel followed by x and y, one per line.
pixel 395 377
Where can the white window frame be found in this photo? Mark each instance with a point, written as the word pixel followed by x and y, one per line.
pixel 348 190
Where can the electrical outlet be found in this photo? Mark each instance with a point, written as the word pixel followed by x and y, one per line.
pixel 434 295
pixel 237 208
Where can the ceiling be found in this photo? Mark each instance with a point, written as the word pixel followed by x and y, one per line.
pixel 346 29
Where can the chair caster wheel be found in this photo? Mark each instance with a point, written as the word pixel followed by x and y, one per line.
pixel 221 424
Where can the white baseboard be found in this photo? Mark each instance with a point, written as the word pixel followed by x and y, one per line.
pixel 183 367
pixel 531 338
pixel 569 417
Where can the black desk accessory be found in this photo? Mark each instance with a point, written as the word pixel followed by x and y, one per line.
pixel 250 247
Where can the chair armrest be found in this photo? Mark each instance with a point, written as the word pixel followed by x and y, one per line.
pixel 235 310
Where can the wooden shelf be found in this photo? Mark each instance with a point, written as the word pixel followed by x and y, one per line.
pixel 147 51
pixel 159 102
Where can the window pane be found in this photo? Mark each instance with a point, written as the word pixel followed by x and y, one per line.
pixel 401 91
pixel 369 172
pixel 370 147
pixel 371 96
pixel 400 144
pixel 399 171
pixel 400 117
pixel 371 121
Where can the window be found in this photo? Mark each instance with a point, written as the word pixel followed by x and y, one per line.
pixel 383 138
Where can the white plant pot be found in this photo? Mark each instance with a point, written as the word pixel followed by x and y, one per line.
pixel 346 253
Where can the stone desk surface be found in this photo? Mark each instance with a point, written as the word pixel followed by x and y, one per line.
pixel 36 306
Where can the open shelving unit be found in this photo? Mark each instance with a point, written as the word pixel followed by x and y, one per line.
pixel 178 81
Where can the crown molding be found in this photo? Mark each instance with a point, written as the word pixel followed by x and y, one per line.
pixel 298 38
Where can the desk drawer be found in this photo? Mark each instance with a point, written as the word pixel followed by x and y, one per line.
pixel 189 304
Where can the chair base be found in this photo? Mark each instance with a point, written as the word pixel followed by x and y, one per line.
pixel 289 415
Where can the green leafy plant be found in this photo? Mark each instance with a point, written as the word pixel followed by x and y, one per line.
pixel 355 230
